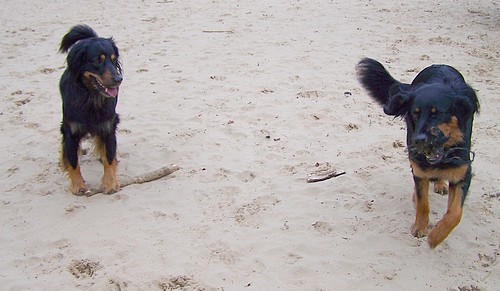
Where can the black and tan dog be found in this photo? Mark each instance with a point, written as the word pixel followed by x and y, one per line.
pixel 89 89
pixel 438 107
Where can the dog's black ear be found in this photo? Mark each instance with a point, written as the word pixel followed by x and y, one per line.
pixel 465 106
pixel 399 100
pixel 76 60
pixel 466 102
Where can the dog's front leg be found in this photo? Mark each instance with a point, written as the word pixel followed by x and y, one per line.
pixel 421 199
pixel 69 161
pixel 110 179
pixel 107 152
pixel 452 217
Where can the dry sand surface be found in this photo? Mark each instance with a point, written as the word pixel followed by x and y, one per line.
pixel 246 97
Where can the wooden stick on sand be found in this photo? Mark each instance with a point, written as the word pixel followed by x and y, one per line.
pixel 148 177
pixel 317 177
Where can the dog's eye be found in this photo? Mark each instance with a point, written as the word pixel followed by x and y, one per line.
pixel 98 61
pixel 416 113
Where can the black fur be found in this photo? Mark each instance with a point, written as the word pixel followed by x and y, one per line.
pixel 439 86
pixel 89 89
pixel 438 98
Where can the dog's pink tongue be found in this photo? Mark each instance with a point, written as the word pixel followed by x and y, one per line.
pixel 113 92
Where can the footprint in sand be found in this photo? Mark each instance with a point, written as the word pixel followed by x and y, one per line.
pixel 323 227
pixel 246 176
pixel 83 268
pixel 248 214
pixel 73 209
pixel 181 283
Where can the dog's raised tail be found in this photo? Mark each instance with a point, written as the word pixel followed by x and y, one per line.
pixel 376 80
pixel 75 34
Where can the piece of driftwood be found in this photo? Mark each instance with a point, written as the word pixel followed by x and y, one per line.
pixel 148 177
pixel 321 176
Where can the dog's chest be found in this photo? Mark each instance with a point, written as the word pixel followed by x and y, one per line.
pixel 102 128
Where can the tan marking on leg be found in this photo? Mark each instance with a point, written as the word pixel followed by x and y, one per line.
pixel 450 220
pixel 78 186
pixel 420 227
pixel 109 179
pixel 77 183
pixel 441 187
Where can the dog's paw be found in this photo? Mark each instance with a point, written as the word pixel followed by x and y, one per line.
pixel 433 241
pixel 79 188
pixel 80 191
pixel 436 236
pixel 110 185
pixel 441 187
pixel 110 188
pixel 443 228
pixel 419 230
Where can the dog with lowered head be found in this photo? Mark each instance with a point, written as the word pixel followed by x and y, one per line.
pixel 438 107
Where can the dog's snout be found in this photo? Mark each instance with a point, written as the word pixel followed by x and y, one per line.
pixel 117 78
pixel 420 139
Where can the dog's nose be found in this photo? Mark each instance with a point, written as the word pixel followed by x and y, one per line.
pixel 420 139
pixel 118 78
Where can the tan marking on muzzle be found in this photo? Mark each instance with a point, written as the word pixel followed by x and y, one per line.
pixel 452 130
pixel 88 74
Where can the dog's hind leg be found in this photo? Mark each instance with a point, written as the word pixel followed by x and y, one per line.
pixel 106 148
pixel 441 187
pixel 421 198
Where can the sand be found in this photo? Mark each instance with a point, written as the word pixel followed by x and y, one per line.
pixel 247 97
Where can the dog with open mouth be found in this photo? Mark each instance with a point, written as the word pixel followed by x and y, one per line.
pixel 89 88
pixel 438 107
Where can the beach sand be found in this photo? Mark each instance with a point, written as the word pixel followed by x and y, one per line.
pixel 247 97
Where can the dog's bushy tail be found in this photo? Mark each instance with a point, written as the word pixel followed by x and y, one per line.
pixel 376 80
pixel 75 34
